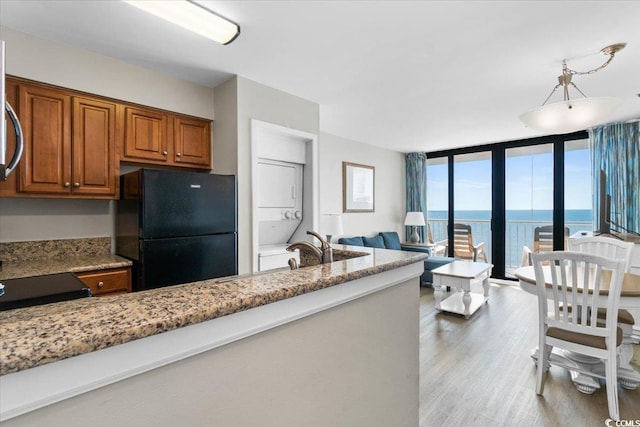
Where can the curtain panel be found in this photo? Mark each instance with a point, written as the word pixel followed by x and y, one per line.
pixel 615 148
pixel 416 198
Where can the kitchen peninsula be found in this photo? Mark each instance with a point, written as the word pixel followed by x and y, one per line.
pixel 333 344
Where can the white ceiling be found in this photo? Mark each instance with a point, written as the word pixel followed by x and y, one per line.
pixel 405 75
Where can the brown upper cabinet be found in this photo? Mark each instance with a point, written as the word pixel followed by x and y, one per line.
pixel 95 169
pixel 61 159
pixel 74 141
pixel 192 142
pixel 146 135
pixel 155 137
pixel 45 115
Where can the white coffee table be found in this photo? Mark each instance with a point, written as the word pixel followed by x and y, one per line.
pixel 460 275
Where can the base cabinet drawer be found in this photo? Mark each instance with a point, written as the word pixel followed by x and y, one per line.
pixel 107 282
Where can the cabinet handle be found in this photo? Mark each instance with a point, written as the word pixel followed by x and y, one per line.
pixel 67 184
pixel 178 154
pixel 76 184
pixel 164 153
pixel 100 284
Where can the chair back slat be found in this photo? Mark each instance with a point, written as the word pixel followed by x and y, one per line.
pixel 574 288
pixel 597 282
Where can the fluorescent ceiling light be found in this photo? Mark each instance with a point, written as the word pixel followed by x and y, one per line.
pixel 192 17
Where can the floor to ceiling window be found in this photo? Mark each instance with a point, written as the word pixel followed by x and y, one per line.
pixel 438 197
pixel 578 208
pixel 472 179
pixel 513 195
pixel 528 199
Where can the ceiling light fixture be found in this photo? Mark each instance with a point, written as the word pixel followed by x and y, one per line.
pixel 571 115
pixel 193 17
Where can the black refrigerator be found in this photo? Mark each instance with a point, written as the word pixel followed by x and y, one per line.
pixel 177 227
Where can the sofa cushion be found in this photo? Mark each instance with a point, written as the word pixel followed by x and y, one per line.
pixel 391 240
pixel 374 242
pixel 353 241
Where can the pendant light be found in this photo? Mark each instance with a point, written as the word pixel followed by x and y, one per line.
pixel 571 115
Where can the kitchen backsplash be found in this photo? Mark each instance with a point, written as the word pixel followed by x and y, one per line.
pixel 26 251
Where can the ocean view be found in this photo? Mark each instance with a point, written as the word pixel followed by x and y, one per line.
pixel 519 228
pixel 571 215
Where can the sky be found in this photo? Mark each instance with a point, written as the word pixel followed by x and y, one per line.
pixel 529 181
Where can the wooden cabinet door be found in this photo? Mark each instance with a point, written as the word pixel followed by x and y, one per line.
pixel 146 135
pixel 192 139
pixel 45 115
pixel 10 186
pixel 94 147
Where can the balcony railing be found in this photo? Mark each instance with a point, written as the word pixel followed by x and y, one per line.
pixel 518 234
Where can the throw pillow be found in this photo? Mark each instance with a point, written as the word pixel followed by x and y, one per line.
pixel 353 241
pixel 374 242
pixel 391 240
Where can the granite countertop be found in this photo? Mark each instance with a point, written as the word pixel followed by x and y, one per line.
pixel 38 335
pixel 40 267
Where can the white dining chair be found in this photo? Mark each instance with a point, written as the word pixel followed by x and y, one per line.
pixel 610 248
pixel 603 246
pixel 565 329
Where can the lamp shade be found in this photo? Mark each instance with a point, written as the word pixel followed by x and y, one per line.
pixel 414 218
pixel 333 225
pixel 570 116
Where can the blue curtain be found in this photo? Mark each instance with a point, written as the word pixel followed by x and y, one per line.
pixel 615 148
pixel 416 200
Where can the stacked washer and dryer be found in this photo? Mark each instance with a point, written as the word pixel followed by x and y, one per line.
pixel 280 210
pixel 283 192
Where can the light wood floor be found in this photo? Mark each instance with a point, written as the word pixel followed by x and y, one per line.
pixel 478 372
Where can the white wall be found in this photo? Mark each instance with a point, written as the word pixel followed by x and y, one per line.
pixel 50 62
pixel 389 185
pixel 42 60
pixel 51 219
pixel 256 101
pixel 225 128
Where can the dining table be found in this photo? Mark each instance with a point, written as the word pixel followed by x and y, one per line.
pixel 587 370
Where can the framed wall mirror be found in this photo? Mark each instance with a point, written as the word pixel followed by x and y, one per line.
pixel 358 188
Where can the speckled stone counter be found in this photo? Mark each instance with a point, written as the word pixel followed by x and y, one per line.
pixel 14 270
pixel 37 258
pixel 38 335
pixel 61 248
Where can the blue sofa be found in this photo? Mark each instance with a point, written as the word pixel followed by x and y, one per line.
pixel 391 240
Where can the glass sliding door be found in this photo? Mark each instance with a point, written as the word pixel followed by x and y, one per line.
pixel 438 199
pixel 472 189
pixel 578 191
pixel 528 202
